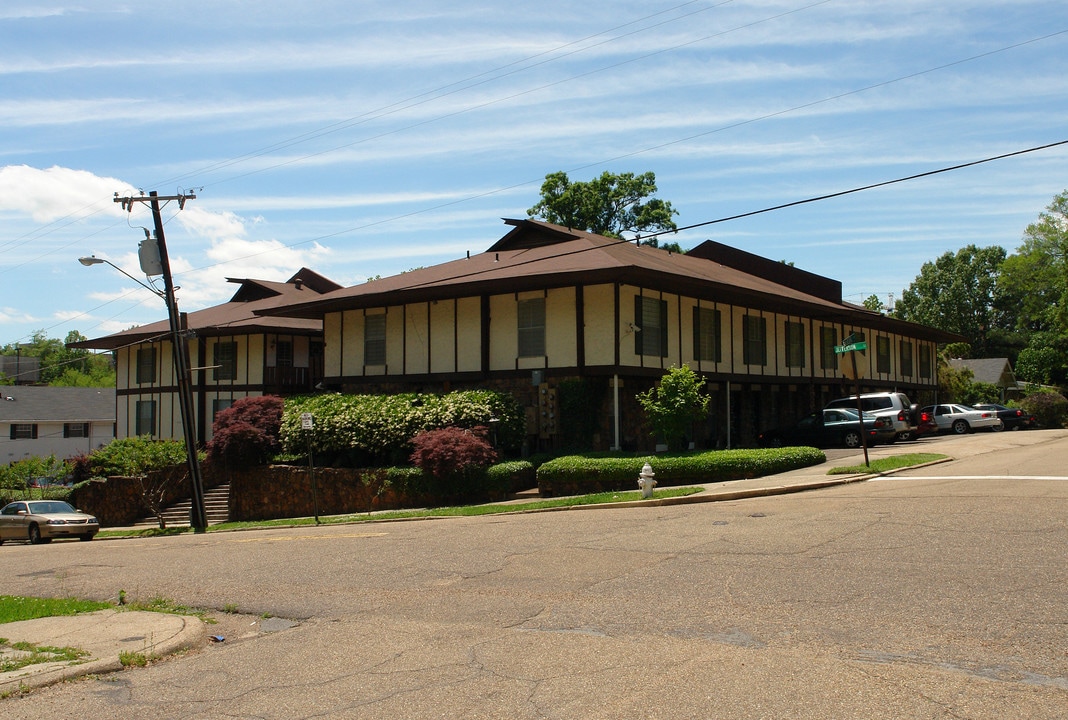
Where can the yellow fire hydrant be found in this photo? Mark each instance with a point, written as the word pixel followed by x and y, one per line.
pixel 646 481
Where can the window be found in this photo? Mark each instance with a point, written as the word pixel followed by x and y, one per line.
pixel 706 335
pixel 145 420
pixel 374 339
pixel 906 358
pixel 218 405
pixel 283 354
pixel 23 431
pixel 925 361
pixel 882 354
pixel 146 365
pixel 650 326
pixel 75 430
pixel 754 345
pixel 795 344
pixel 225 357
pixel 531 315
pixel 828 357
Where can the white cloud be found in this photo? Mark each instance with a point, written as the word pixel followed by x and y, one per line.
pixel 58 192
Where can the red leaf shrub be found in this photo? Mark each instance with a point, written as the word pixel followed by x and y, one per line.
pixel 452 452
pixel 246 433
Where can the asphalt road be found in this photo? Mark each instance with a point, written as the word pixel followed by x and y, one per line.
pixel 938 593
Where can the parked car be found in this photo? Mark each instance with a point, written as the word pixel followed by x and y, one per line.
pixel 925 425
pixel 893 407
pixel 1011 418
pixel 961 419
pixel 830 428
pixel 39 521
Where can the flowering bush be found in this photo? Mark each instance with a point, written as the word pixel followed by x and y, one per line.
pixel 1050 408
pixel 355 430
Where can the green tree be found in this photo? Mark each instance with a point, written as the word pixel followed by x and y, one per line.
pixel 1033 287
pixel 956 293
pixel 675 404
pixel 64 366
pixel 608 205
pixel 873 303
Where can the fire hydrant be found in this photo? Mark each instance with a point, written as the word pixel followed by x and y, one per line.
pixel 646 481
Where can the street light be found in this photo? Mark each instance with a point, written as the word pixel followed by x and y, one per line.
pixel 154 261
pixel 94 260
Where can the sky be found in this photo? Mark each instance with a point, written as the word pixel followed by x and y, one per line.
pixel 364 139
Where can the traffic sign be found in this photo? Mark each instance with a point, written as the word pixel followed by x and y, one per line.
pixel 306 421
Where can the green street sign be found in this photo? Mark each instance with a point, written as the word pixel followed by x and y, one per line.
pixel 843 349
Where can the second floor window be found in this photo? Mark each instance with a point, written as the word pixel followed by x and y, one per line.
pixel 706 337
pixel 795 344
pixel 75 430
pixel 23 431
pixel 882 355
pixel 283 354
pixel 925 361
pixel 650 326
pixel 906 358
pixel 225 357
pixel 754 340
pixel 828 339
pixel 531 314
pixel 374 339
pixel 146 365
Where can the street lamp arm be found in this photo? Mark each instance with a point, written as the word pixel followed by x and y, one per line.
pixel 94 260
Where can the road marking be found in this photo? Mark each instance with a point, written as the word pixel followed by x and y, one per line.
pixel 970 477
pixel 290 538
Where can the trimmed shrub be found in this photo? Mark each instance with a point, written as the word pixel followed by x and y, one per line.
pixel 579 475
pixel 456 458
pixel 1050 408
pixel 131 457
pixel 246 433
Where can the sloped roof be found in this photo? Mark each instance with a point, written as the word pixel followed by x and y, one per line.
pixel 31 404
pixel 996 371
pixel 237 316
pixel 536 255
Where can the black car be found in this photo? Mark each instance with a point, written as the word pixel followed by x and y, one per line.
pixel 1011 418
pixel 836 427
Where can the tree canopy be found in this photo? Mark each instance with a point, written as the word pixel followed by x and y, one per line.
pixel 63 366
pixel 608 205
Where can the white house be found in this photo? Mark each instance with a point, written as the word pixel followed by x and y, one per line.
pixel 60 421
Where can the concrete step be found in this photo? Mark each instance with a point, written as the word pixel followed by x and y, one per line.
pixel 216 510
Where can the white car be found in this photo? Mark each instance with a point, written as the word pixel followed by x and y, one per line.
pixel 961 419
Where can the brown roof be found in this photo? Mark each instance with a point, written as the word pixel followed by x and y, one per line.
pixel 536 255
pixel 238 316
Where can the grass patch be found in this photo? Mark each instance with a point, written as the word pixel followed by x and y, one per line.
pixel 20 654
pixel 14 608
pixel 893 462
pixel 132 659
pixel 456 511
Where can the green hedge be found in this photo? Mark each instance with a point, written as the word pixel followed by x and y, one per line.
pixel 580 475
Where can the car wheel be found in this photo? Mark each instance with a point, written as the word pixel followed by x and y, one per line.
pixel 35 535
pixel 960 427
pixel 851 439
pixel 905 436
pixel 999 427
pixel 85 538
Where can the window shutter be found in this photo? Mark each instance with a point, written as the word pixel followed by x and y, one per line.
pixel 637 323
pixel 663 328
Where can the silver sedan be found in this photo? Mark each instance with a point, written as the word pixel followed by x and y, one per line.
pixel 961 419
pixel 39 521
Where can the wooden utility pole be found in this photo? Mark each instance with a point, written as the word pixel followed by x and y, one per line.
pixel 197 515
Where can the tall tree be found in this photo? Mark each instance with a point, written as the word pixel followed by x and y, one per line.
pixel 956 293
pixel 608 205
pixel 1034 280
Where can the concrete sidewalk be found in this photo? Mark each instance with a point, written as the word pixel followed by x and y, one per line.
pixel 105 635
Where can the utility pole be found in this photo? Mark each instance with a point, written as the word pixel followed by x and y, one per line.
pixel 197 516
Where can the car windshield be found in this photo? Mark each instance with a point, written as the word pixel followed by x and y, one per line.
pixel 47 507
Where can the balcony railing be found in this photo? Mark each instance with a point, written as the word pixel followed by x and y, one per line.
pixel 287 378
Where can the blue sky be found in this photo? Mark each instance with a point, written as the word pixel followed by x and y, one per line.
pixel 368 138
